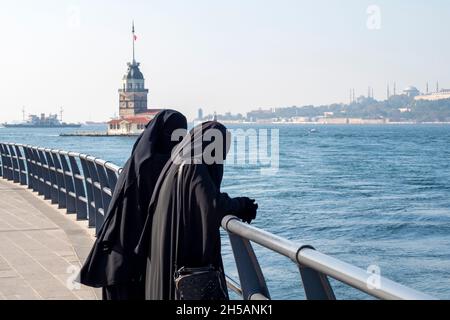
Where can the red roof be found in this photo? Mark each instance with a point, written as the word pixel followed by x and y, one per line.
pixel 135 119
pixel 140 118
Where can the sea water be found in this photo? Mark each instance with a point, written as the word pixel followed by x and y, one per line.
pixel 373 196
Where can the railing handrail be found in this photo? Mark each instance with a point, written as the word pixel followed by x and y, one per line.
pixel 84 185
pixel 306 255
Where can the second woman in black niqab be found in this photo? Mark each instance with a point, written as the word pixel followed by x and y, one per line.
pixel 112 263
pixel 195 210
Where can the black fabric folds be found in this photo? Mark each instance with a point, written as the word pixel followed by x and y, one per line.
pixel 199 209
pixel 112 260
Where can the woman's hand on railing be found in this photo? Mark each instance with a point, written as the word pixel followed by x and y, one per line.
pixel 247 209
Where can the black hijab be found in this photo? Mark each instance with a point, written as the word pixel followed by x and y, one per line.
pixel 188 201
pixel 112 260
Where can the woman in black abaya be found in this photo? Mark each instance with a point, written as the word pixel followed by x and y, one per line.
pixel 195 211
pixel 112 263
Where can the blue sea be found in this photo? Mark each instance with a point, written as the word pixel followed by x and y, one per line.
pixel 368 195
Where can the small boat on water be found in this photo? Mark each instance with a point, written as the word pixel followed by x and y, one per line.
pixel 313 131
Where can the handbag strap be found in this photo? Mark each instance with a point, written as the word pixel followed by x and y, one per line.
pixel 178 215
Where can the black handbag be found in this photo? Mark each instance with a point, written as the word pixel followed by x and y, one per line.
pixel 204 283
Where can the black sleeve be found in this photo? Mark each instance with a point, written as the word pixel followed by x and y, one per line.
pixel 214 204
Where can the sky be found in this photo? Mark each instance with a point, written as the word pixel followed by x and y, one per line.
pixel 224 56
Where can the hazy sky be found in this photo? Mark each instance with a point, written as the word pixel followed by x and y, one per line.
pixel 233 55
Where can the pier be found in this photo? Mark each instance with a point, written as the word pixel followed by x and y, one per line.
pixel 95 134
pixel 53 202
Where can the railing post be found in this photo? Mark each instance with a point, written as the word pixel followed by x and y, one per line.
pixel 97 191
pixel 88 182
pixel 5 169
pixel 68 182
pixel 54 186
pixel 45 174
pixel 316 284
pixel 113 175
pixel 104 184
pixel 1 161
pixel 13 162
pixel 30 168
pixel 82 202
pixel 40 182
pixel 59 175
pixel 22 165
pixel 252 280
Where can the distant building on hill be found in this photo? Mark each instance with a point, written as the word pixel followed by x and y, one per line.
pixel 200 114
pixel 435 96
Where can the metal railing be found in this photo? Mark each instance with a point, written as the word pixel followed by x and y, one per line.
pixel 77 182
pixel 83 185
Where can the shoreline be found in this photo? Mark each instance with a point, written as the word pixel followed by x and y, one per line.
pixel 321 124
pixel 334 124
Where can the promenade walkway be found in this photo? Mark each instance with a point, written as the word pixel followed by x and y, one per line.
pixel 41 247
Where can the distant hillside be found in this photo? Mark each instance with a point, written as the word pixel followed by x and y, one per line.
pixel 397 108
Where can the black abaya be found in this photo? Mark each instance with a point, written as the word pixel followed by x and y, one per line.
pixel 112 263
pixel 197 211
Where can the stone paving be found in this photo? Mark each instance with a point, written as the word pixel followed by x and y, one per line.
pixel 41 248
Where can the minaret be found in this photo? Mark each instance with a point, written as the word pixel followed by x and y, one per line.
pixel 428 91
pixel 437 87
pixel 133 95
pixel 395 88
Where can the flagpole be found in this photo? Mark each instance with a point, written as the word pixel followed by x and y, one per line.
pixel 134 61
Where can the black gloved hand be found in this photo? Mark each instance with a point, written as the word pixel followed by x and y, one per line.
pixel 247 209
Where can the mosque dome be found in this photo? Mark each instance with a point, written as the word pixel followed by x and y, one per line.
pixel 411 91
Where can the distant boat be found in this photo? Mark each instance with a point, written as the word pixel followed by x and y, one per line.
pixel 313 131
pixel 42 122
